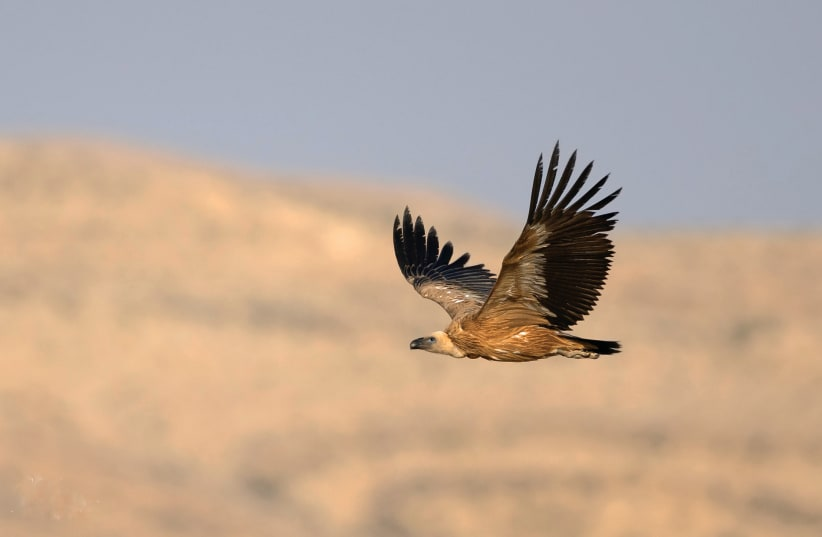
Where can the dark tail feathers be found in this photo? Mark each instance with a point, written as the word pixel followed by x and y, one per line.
pixel 596 345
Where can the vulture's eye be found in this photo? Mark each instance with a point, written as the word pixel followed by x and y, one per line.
pixel 432 339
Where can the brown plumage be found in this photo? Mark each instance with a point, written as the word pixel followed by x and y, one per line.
pixel 548 282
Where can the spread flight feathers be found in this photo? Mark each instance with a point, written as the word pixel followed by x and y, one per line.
pixel 549 280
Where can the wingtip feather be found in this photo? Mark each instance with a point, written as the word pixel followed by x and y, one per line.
pixel 532 207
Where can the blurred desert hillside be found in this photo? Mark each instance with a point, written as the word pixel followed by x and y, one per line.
pixel 188 349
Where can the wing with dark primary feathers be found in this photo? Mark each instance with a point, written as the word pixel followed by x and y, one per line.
pixel 556 268
pixel 459 289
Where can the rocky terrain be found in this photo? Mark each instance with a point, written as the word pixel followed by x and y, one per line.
pixel 188 349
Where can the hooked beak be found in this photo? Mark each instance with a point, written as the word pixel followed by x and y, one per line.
pixel 418 343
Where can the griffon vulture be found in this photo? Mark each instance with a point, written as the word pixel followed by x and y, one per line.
pixel 549 280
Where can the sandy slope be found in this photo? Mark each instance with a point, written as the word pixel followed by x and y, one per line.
pixel 189 351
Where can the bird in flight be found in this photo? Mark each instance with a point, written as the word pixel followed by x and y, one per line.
pixel 548 282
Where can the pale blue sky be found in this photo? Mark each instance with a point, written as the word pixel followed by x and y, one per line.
pixel 707 112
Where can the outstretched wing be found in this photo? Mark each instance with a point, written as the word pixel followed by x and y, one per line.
pixel 555 270
pixel 459 289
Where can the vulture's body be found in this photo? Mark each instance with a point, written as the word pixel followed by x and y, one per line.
pixel 549 280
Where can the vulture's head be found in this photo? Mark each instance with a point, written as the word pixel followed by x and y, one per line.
pixel 438 342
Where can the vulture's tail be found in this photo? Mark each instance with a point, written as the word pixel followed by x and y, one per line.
pixel 596 345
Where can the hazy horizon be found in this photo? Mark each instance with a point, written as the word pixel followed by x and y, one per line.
pixel 706 114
